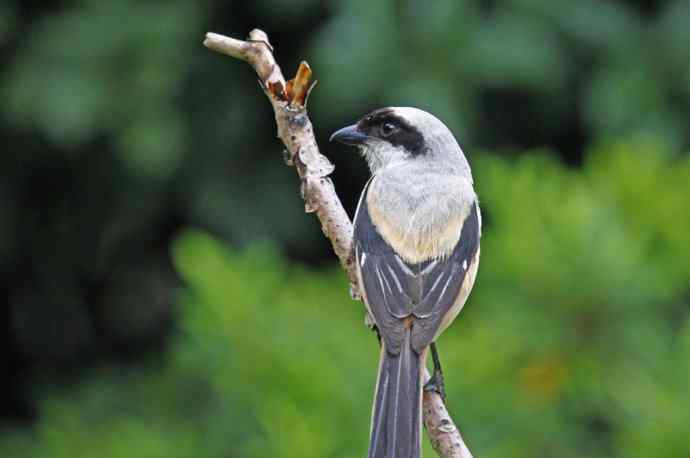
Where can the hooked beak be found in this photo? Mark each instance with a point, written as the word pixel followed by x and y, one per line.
pixel 350 135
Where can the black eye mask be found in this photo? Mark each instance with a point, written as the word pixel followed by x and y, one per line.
pixel 405 134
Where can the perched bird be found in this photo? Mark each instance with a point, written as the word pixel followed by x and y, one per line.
pixel 416 245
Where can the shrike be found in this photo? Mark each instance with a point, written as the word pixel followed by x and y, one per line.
pixel 416 244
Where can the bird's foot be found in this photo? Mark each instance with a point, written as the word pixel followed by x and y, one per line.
pixel 436 385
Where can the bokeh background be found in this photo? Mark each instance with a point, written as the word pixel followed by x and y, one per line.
pixel 164 295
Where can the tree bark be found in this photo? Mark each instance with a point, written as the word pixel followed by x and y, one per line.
pixel 289 101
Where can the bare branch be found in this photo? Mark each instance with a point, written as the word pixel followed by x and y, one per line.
pixel 289 101
pixel 444 434
pixel 296 132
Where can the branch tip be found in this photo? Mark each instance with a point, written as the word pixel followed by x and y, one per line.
pixel 259 36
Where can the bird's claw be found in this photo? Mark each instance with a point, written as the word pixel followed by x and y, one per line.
pixel 436 385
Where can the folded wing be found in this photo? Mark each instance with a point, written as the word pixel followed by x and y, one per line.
pixel 395 289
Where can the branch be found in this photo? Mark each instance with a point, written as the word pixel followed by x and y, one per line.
pixel 289 100
pixel 295 130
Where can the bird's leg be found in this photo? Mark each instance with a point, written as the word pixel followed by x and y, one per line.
pixel 435 383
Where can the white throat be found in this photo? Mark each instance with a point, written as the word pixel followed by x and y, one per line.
pixel 380 155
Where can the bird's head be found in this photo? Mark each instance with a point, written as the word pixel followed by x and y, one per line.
pixel 402 135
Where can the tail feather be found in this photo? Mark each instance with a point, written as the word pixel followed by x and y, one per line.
pixel 397 420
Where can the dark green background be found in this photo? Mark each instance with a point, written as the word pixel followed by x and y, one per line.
pixel 164 295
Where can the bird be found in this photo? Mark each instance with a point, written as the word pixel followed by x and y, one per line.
pixel 416 238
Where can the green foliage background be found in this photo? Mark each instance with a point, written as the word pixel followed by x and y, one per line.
pixel 159 297
pixel 573 344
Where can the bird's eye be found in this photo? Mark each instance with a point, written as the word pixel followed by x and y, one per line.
pixel 388 128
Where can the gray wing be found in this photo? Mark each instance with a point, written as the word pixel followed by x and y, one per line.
pixel 395 289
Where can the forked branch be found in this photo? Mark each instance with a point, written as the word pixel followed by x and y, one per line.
pixel 289 100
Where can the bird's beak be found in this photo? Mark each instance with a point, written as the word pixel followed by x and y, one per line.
pixel 350 135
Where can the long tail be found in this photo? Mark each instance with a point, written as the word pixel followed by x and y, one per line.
pixel 397 412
